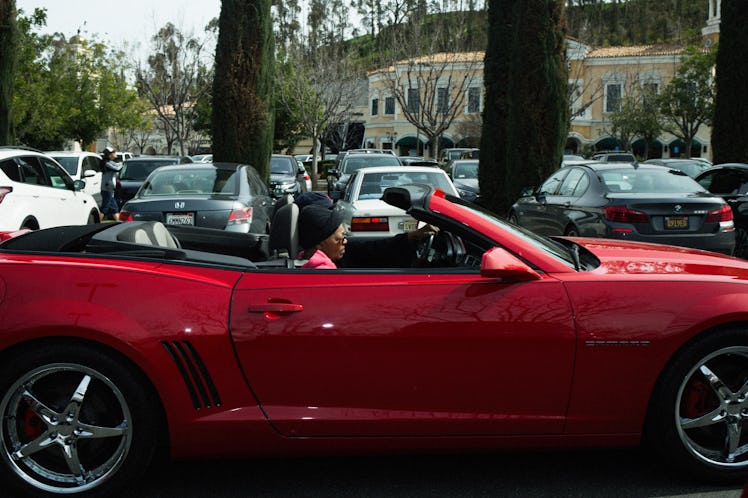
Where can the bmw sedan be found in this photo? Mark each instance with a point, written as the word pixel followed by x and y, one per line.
pixel 624 201
pixel 225 196
pixel 493 338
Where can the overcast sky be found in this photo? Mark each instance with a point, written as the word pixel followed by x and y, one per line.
pixel 121 22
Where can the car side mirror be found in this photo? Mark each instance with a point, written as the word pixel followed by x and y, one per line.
pixel 498 263
pixel 528 191
pixel 79 185
pixel 301 171
pixel 333 172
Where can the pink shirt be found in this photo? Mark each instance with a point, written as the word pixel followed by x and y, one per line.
pixel 319 260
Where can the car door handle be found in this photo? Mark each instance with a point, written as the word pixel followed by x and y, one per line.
pixel 275 308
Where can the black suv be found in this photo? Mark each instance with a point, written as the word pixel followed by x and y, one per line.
pixel 730 181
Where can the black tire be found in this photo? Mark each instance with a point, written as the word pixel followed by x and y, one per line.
pixel 93 218
pixel 698 414
pixel 72 406
pixel 741 243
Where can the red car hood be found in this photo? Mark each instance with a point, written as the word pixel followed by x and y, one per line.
pixel 618 257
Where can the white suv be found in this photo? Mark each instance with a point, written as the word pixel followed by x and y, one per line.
pixel 36 192
pixel 84 166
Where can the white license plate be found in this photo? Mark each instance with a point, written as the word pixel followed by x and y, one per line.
pixel 408 226
pixel 180 218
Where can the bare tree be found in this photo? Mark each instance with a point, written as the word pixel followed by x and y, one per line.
pixel 318 93
pixel 175 78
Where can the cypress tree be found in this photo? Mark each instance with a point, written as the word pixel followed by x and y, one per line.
pixel 8 42
pixel 730 126
pixel 243 112
pixel 525 112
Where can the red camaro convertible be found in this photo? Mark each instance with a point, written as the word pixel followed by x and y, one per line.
pixel 120 342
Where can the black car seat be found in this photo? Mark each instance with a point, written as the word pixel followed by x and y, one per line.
pixel 284 232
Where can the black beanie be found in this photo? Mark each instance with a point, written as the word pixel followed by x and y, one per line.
pixel 316 223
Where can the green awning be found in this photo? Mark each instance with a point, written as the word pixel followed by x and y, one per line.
pixel 410 141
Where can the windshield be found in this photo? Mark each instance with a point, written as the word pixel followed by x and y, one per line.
pixel 552 247
pixel 281 166
pixel 465 170
pixel 139 170
pixel 194 180
pixel 648 181
pixel 691 168
pixel 355 163
pixel 373 184
pixel 69 163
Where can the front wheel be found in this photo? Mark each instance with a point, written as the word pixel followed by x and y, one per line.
pixel 75 421
pixel 698 417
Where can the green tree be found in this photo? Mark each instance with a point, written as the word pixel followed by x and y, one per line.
pixel 243 114
pixel 637 116
pixel 730 131
pixel 8 47
pixel 687 101
pixel 526 112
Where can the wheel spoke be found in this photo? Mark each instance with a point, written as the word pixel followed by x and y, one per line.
pixel 71 411
pixel 48 415
pixel 719 387
pixel 733 440
pixel 86 431
pixel 70 452
pixel 714 417
pixel 39 444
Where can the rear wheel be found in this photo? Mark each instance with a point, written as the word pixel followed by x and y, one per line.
pixel 698 416
pixel 741 243
pixel 74 421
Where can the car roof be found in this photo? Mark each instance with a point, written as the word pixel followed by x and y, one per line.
pixel 9 151
pixel 72 153
pixel 603 165
pixel 401 169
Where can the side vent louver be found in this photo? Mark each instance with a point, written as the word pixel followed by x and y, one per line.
pixel 195 374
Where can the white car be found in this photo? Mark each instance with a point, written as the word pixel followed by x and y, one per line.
pixel 36 192
pixel 84 166
pixel 366 215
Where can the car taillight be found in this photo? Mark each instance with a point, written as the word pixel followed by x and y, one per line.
pixel 622 214
pixel 722 214
pixel 239 216
pixel 5 191
pixel 125 216
pixel 370 224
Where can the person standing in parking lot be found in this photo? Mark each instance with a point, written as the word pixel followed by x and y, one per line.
pixel 109 169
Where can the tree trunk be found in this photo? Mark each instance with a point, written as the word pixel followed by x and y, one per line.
pixel 526 112
pixel 8 42
pixel 243 113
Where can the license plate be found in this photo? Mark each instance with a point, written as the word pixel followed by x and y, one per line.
pixel 180 218
pixel 676 222
pixel 408 226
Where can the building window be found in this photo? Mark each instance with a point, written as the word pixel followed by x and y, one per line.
pixel 413 100
pixel 389 106
pixel 442 101
pixel 374 107
pixel 649 94
pixel 613 95
pixel 473 100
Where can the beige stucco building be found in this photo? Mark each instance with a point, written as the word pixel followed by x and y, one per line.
pixel 598 79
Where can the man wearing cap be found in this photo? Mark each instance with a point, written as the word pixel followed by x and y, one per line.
pixel 109 170
pixel 322 235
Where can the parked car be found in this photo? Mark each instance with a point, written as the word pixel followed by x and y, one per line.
pixel 134 172
pixel 642 202
pixel 286 176
pixel 120 156
pixel 307 179
pixel 337 178
pixel 36 192
pixel 202 158
pixel 450 154
pixel 465 178
pixel 612 156
pixel 689 166
pixel 618 343
pixel 367 215
pixel 84 166
pixel 417 161
pixel 224 196
pixel 730 181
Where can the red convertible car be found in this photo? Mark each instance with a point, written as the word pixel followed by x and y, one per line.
pixel 121 343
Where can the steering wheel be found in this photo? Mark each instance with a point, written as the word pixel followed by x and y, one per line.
pixel 423 249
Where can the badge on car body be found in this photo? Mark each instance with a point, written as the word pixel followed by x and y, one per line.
pixel 179 205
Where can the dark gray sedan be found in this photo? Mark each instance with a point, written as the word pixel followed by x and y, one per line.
pixel 225 196
pixel 624 201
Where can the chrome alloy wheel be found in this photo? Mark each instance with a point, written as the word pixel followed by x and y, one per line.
pixel 66 428
pixel 712 409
